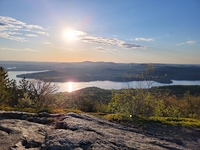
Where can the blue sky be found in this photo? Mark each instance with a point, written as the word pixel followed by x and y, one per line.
pixel 136 31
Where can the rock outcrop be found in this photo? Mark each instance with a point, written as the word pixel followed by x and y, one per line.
pixel 82 132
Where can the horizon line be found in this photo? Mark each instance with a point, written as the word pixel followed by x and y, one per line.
pixel 31 61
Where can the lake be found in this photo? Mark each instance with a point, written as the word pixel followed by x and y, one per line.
pixel 73 86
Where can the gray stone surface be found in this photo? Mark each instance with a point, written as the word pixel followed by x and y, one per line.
pixel 85 132
pixel 20 134
pixel 88 132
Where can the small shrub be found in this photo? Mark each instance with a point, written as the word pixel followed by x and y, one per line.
pixel 117 117
pixel 66 110
pixel 177 121
pixel 6 108
pixel 25 101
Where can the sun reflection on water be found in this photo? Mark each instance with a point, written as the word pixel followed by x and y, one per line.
pixel 70 87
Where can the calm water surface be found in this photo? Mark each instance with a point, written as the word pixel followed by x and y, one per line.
pixel 73 86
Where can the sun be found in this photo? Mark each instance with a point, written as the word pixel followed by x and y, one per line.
pixel 70 34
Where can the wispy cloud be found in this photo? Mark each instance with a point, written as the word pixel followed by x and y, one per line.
pixel 2 24
pixel 188 42
pixel 102 49
pixel 83 36
pixel 31 35
pixel 12 36
pixel 13 29
pixel 76 32
pixel 110 41
pixel 101 40
pixel 131 46
pixel 41 33
pixel 144 39
pixel 18 50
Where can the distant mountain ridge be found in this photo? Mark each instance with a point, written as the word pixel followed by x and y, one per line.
pixel 102 71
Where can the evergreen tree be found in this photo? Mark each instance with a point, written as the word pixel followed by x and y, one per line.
pixel 4 84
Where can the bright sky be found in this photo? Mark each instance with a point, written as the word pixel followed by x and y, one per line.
pixel 136 31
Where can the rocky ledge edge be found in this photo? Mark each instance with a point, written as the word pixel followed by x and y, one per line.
pixel 71 131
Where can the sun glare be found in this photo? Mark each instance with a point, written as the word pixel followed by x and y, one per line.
pixel 73 34
pixel 69 86
pixel 70 34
